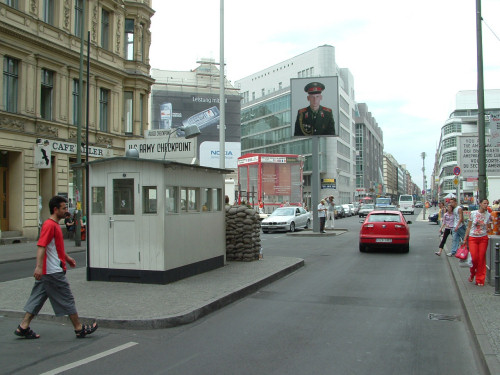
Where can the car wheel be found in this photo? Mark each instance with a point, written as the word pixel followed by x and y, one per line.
pixel 292 227
pixel 265 231
pixel 308 224
pixel 362 248
pixel 405 248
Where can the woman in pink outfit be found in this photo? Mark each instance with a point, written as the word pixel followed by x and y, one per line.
pixel 477 234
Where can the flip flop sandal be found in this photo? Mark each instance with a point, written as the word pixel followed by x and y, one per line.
pixel 86 330
pixel 27 333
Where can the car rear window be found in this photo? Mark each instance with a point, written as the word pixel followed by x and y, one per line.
pixel 384 218
pixel 405 198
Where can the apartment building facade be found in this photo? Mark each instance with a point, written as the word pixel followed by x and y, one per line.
pixel 40 57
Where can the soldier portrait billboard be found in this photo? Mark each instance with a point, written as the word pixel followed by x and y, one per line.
pixel 315 106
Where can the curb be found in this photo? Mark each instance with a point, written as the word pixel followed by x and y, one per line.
pixel 485 354
pixel 177 320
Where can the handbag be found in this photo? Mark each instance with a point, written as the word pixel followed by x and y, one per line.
pixel 462 251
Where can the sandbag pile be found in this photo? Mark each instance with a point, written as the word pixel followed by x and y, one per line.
pixel 242 233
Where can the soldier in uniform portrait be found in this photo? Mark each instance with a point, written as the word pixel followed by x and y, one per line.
pixel 315 119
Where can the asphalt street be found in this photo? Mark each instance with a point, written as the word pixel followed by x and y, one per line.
pixel 344 312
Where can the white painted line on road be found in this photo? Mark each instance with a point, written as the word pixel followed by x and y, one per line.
pixel 90 359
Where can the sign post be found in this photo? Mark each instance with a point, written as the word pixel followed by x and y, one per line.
pixel 456 181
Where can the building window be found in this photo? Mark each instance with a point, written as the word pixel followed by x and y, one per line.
pixel 105 29
pixel 98 199
pixel 171 193
pixel 150 200
pixel 207 200
pixel 129 39
pixel 48 11
pixel 46 94
pixel 12 3
pixel 10 79
pixel 76 93
pixel 190 199
pixel 141 108
pixel 129 112
pixel 78 17
pixel 103 110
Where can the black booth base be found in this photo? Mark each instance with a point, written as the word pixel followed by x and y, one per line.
pixel 155 277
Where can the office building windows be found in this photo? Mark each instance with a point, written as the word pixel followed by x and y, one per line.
pixel 128 107
pixel 10 80
pixel 48 11
pixel 103 109
pixel 46 94
pixel 129 39
pixel 105 29
pixel 78 17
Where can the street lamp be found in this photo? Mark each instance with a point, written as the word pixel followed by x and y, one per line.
pixel 190 131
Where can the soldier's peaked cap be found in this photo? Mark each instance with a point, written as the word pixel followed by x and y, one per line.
pixel 314 88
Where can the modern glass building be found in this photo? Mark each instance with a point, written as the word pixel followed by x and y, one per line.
pixel 459 140
pixel 266 120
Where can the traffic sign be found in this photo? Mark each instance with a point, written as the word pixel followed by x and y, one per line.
pixel 456 171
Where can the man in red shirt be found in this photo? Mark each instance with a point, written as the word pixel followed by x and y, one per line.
pixel 50 275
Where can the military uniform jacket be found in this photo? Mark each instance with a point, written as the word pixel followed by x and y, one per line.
pixel 319 123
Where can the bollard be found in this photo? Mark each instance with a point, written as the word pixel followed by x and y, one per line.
pixel 497 270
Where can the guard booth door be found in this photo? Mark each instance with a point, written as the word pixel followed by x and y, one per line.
pixel 123 206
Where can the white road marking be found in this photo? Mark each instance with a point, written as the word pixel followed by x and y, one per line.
pixel 90 359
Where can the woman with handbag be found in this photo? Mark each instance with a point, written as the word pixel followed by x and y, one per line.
pixel 447 224
pixel 477 234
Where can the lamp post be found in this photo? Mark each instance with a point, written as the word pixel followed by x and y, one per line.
pixel 423 181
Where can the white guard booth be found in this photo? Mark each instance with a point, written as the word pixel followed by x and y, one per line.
pixel 154 221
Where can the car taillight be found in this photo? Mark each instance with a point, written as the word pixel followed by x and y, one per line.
pixel 369 226
pixel 399 226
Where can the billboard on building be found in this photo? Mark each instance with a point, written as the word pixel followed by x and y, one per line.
pixel 469 155
pixel 315 106
pixel 172 109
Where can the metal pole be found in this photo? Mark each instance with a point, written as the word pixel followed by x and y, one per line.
pixel 480 106
pixel 423 182
pixel 315 182
pixel 222 99
pixel 87 182
pixel 497 269
pixel 78 171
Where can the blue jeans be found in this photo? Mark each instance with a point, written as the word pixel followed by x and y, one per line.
pixel 457 237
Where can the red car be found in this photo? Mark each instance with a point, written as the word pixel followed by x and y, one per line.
pixel 385 229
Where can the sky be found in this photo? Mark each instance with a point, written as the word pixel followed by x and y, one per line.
pixel 408 59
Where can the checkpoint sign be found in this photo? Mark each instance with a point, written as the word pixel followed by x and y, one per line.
pixel 456 171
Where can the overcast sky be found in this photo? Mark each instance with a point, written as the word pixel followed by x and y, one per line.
pixel 408 59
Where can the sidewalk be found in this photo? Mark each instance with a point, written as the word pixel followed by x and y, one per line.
pixel 154 306
pixel 482 310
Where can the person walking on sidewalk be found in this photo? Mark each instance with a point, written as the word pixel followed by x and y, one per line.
pixel 477 234
pixel 447 224
pixel 322 215
pixel 458 226
pixel 330 219
pixel 50 275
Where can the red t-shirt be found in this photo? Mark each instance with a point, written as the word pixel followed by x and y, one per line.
pixel 51 237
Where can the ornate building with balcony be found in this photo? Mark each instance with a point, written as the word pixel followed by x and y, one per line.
pixel 40 89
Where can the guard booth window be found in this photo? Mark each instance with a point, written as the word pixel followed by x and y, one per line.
pixel 98 199
pixel 123 196
pixel 149 204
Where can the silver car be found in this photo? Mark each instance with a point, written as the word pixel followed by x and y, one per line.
pixel 365 209
pixel 287 219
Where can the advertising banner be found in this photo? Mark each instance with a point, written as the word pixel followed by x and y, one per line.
pixel 468 157
pixel 172 109
pixel 315 106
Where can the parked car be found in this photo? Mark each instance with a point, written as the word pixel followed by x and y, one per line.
pixel 287 219
pixel 354 209
pixel 419 204
pixel 339 212
pixel 433 218
pixel 385 229
pixel 365 209
pixel 347 210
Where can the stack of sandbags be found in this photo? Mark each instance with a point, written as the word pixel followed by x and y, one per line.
pixel 242 233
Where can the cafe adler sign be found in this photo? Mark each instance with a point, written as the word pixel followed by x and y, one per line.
pixel 70 148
